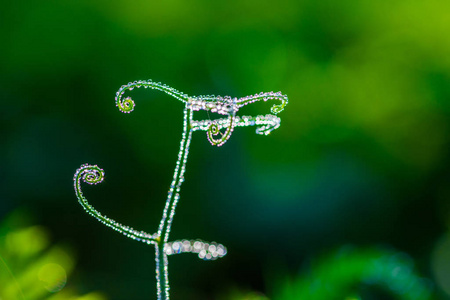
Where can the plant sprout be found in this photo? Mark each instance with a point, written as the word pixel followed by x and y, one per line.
pixel 226 106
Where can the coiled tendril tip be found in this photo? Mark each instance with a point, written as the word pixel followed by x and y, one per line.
pixel 91 174
pixel 126 105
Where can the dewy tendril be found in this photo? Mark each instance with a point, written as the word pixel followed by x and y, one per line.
pixel 226 106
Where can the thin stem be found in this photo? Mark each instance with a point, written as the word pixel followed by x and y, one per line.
pixel 162 272
pixel 162 263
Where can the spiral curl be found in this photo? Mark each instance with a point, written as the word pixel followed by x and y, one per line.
pixel 126 105
pixel 92 174
pixel 214 130
pixel 277 108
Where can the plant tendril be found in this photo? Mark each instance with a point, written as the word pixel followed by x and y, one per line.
pixel 226 106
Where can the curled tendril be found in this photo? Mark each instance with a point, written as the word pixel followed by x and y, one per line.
pixel 93 174
pixel 126 105
pixel 277 108
pixel 230 106
pixel 216 104
pixel 214 130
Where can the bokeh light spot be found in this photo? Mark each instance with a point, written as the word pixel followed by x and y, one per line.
pixel 54 277
pixel 441 263
pixel 27 241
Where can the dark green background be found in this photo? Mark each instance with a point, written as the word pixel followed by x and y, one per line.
pixel 361 157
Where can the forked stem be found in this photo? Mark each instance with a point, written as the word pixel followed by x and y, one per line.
pixel 227 106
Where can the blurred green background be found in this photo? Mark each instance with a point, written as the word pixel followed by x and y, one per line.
pixel 360 161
